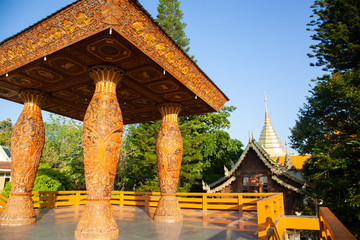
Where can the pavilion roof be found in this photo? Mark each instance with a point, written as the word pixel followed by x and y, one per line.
pixel 54 55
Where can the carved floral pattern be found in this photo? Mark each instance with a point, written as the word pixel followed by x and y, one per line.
pixel 27 142
pixel 169 150
pixel 103 128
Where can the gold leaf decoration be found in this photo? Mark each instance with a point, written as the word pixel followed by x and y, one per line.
pixel 185 70
pixel 20 50
pixel 2 59
pixel 30 44
pixel 10 55
pixel 160 48
pixel 42 39
pixel 82 19
pixel 170 56
pixel 150 38
pixel 68 26
pixel 138 27
pixel 54 34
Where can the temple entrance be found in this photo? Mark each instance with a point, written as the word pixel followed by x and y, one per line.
pixel 255 184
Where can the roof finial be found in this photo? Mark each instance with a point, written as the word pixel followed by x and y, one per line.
pixel 205 186
pixel 265 100
pixel 267 119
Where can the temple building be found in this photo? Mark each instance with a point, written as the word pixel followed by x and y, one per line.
pixel 5 166
pixel 264 166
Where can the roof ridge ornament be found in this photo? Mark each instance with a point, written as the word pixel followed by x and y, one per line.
pixel 226 171
pixel 205 186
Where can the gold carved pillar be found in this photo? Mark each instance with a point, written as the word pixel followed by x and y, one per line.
pixel 102 132
pixel 27 142
pixel 169 150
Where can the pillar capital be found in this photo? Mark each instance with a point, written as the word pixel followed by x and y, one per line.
pixel 32 98
pixel 106 77
pixel 169 111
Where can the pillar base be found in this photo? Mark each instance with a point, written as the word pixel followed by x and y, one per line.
pixel 168 209
pixel 97 221
pixel 19 211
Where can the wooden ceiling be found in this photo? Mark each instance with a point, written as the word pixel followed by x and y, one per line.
pixel 57 63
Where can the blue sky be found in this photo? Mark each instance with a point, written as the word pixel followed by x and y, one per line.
pixel 245 47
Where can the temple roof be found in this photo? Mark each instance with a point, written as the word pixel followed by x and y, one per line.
pixel 5 154
pixel 5 165
pixel 5 159
pixel 269 140
pixel 297 160
pixel 54 55
pixel 278 173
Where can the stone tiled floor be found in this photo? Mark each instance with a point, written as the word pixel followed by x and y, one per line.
pixel 137 223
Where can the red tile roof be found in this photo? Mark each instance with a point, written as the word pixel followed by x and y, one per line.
pixel 5 165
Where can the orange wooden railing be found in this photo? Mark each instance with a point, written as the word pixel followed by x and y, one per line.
pixel 272 222
pixel 3 201
pixel 331 227
pixel 204 201
pixel 270 213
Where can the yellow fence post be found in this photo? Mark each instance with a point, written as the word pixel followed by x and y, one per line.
pixel 147 200
pixel 204 202
pixel 121 198
pixel 49 200
pixel 261 217
pixel 276 212
pixel 282 209
pixel 240 203
pixel 77 199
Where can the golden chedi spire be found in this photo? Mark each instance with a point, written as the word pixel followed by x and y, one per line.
pixel 269 140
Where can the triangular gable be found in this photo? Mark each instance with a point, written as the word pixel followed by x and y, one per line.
pixel 5 154
pixel 274 167
pixel 7 151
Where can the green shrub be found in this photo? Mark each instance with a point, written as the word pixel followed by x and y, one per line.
pixel 6 190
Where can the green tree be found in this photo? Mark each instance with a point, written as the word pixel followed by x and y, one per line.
pixel 5 132
pixel 328 129
pixel 138 170
pixel 206 149
pixel 337 28
pixel 63 148
pixel 328 124
pixel 169 18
